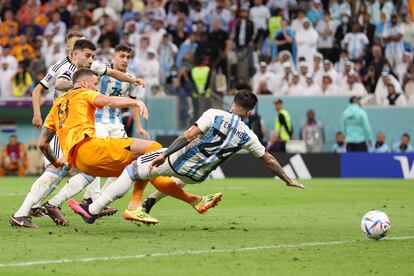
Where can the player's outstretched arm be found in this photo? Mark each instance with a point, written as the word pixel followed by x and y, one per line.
pixel 36 99
pixel 275 167
pixel 183 140
pixel 43 144
pixel 63 85
pixel 137 121
pixel 121 102
pixel 121 76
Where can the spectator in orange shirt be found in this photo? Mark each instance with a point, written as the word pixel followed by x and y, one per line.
pixel 8 23
pixel 14 158
pixel 17 49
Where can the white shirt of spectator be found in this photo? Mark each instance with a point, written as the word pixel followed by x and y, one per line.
pixel 355 44
pixel 268 77
pixel 330 90
pixel 355 89
pixel 381 91
pixel 6 81
pixel 400 102
pixel 52 25
pixel 325 41
pixel 409 92
pixel 407 29
pixel 306 41
pixel 393 48
pixel 294 89
pixel 297 24
pixel 150 72
pixel 99 12
pixel 156 37
pixel 259 15
pixel 11 60
pixel 312 90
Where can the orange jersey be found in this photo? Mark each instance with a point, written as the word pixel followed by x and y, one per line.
pixel 72 117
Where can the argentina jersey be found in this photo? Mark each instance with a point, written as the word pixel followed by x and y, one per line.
pixel 224 134
pixel 109 86
pixel 58 69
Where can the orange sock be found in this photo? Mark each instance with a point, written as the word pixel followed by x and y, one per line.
pixel 139 187
pixel 168 186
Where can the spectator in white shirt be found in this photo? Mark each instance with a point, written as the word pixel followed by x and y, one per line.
pixel 295 88
pixel 355 42
pixel 409 89
pixel 303 71
pixel 56 53
pixel 150 72
pixel 342 79
pixel 325 29
pixel 6 57
pixel 306 41
pixel 393 40
pixel 337 9
pixel 297 23
pixel 328 88
pixel 407 29
pixel 277 66
pixel 317 68
pixel 353 86
pixel 401 67
pixel 104 9
pixel 263 75
pixel 394 99
pixel 56 26
pixel 6 76
pixel 259 14
pixel 156 33
pixel 328 69
pixel 311 88
pixel 381 90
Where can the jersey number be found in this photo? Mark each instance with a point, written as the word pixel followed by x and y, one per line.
pixel 223 153
pixel 116 91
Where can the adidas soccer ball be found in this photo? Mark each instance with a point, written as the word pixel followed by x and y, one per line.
pixel 375 224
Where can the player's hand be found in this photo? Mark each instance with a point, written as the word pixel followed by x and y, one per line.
pixel 157 161
pixel 140 82
pixel 293 183
pixel 143 111
pixel 60 163
pixel 144 133
pixel 37 121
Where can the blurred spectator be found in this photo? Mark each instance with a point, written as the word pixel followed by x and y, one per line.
pixel 56 27
pixel 368 29
pixel 283 124
pixel 315 13
pixel 201 79
pixel 222 13
pixel 381 6
pixel 407 29
pixel 381 90
pixel 377 61
pixel 167 52
pixel 17 50
pixel 31 28
pixel 150 72
pixel 341 31
pixel 404 145
pixel 105 53
pixel 8 23
pixel 355 42
pixel 356 127
pixel 22 82
pixel 197 12
pixel 284 40
pixel 263 75
pixel 325 29
pixel 256 123
pixel 401 68
pixel 188 47
pixel 14 158
pixel 311 88
pixel 294 87
pixel 55 53
pixel 297 23
pixel 6 57
pixel 353 86
pixel 6 76
pixel 306 40
pixel 156 33
pixel 109 31
pixel 340 145
pixel 328 88
pixel 369 79
pixel 178 88
pixel 259 14
pixel 394 99
pixel 274 144
pixel 339 9
pixel 103 9
pixel 394 44
pixel 312 132
pixel 380 146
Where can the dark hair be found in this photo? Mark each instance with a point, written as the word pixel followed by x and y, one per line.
pixel 339 133
pixel 245 99
pixel 74 34
pixel 82 72
pixel 84 44
pixel 406 135
pixel 123 48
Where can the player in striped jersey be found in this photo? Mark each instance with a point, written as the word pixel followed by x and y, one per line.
pixel 107 123
pixel 82 56
pixel 52 176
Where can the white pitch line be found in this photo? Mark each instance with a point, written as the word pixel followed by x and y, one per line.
pixel 189 252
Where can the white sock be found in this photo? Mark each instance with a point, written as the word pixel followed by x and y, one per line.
pixel 157 195
pixel 74 186
pixel 108 182
pixel 93 191
pixel 116 190
pixel 40 189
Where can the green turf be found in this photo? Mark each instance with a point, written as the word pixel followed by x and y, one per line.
pixel 253 213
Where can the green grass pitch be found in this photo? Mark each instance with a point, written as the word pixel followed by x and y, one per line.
pixel 260 227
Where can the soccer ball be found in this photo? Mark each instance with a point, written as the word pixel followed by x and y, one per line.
pixel 375 224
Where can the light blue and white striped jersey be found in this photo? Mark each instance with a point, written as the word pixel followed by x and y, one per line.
pixel 393 48
pixel 109 86
pixel 224 134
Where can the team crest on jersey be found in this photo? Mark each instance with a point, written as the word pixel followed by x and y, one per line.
pixel 63 111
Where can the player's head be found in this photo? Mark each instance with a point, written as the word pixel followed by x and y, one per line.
pixel 71 38
pixel 122 56
pixel 85 78
pixel 83 53
pixel 243 103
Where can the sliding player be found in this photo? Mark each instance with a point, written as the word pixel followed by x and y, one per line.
pixel 213 139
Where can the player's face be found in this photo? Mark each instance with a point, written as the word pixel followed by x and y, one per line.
pixel 70 43
pixel 84 58
pixel 121 60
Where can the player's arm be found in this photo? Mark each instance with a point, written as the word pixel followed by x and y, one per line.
pixel 273 165
pixel 63 84
pixel 137 121
pixel 121 102
pixel 43 144
pixel 121 76
pixel 183 140
pixel 36 99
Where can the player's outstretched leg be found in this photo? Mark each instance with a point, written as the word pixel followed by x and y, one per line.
pixel 40 189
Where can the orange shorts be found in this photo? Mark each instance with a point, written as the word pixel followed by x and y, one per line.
pixel 104 157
